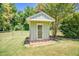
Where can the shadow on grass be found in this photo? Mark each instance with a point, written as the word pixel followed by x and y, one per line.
pixel 5 31
pixel 58 38
pixel 27 40
pixel 67 38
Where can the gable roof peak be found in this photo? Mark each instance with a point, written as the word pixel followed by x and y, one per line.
pixel 41 15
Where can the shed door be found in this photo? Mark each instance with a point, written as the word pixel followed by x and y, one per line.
pixel 39 31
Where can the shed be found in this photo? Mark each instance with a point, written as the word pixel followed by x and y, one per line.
pixel 39 25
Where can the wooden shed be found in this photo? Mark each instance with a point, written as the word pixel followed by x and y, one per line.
pixel 39 25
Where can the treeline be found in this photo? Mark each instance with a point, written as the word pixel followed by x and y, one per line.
pixel 63 13
pixel 11 19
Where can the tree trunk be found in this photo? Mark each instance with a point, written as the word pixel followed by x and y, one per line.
pixel 55 28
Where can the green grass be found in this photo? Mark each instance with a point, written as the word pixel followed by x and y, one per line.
pixel 11 43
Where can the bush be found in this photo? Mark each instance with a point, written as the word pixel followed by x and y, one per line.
pixel 70 26
pixel 26 26
pixel 18 27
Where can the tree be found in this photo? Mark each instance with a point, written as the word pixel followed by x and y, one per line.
pixel 14 11
pixel 70 26
pixel 58 11
pixel 28 11
pixel 40 7
pixel 19 20
pixel 1 21
pixel 19 26
pixel 7 15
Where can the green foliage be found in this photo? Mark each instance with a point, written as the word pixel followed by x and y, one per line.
pixel 70 26
pixel 40 7
pixel 20 18
pixel 28 11
pixel 10 18
pixel 18 27
pixel 1 24
pixel 26 26
pixel 58 11
pixel 1 21
pixel 7 12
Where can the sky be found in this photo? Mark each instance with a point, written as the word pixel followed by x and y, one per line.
pixel 21 6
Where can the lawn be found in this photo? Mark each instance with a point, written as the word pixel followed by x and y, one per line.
pixel 11 43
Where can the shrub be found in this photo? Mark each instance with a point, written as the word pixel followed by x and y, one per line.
pixel 18 27
pixel 70 26
pixel 26 26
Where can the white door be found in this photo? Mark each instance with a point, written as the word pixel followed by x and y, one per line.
pixel 39 35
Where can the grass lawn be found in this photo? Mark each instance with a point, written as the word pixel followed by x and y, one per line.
pixel 11 43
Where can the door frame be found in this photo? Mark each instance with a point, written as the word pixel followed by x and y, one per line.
pixel 37 31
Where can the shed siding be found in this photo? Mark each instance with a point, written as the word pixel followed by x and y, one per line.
pixel 46 31
pixel 34 30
